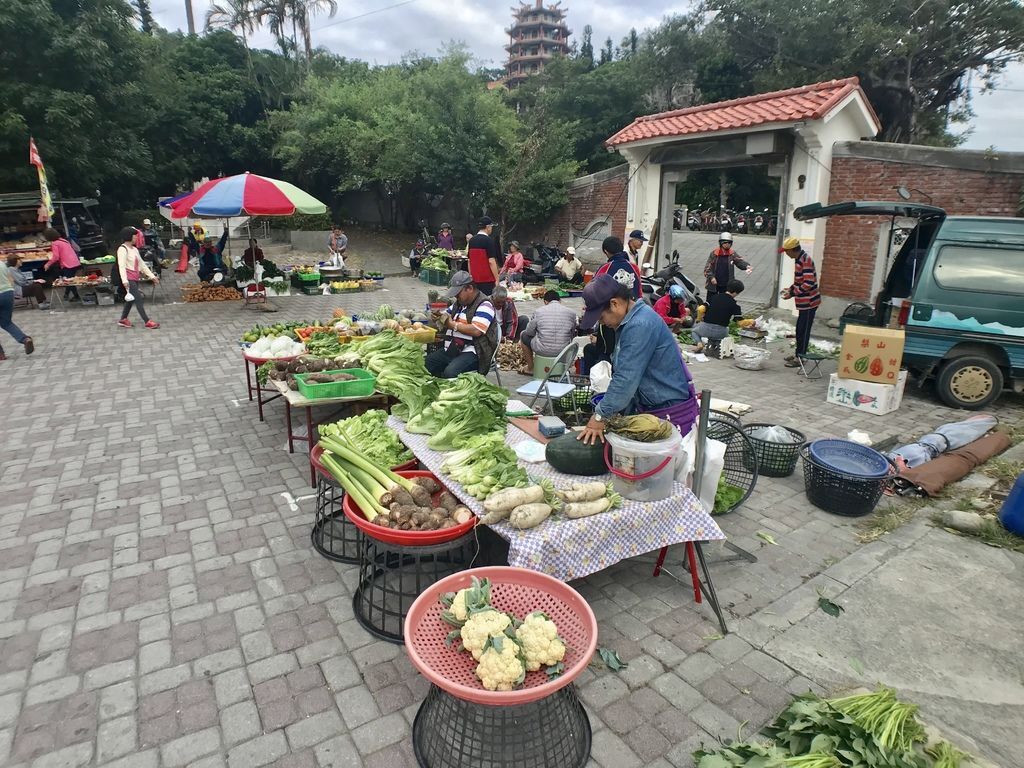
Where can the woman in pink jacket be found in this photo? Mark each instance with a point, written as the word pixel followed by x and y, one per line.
pixel 64 254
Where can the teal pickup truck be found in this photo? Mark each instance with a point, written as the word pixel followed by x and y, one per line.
pixel 964 278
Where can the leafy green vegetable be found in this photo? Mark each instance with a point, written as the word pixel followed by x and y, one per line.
pixel 263 372
pixel 464 408
pixel 727 496
pixel 485 464
pixel 767 537
pixel 832 609
pixel 324 344
pixel 610 659
pixel 370 434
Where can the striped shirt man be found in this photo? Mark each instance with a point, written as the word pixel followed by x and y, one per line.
pixel 804 290
pixel 482 319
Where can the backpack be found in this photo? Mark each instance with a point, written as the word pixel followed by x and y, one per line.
pixel 487 344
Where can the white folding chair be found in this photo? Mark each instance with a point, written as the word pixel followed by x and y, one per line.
pixel 556 383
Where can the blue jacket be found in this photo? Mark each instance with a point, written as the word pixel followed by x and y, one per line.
pixel 647 369
pixel 624 271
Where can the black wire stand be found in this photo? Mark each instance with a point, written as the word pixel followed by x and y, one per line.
pixel 392 576
pixel 333 535
pixel 553 732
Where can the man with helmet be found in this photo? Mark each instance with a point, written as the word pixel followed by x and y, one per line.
pixel 673 310
pixel 721 266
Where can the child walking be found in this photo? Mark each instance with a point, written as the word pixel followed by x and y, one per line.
pixel 132 267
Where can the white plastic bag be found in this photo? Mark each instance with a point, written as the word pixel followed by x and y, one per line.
pixel 601 377
pixel 750 358
pixel 773 435
pixel 714 463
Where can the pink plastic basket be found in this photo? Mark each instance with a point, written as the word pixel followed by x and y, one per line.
pixel 518 591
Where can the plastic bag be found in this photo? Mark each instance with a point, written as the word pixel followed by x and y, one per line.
pixel 750 358
pixel 601 377
pixel 714 463
pixel 773 435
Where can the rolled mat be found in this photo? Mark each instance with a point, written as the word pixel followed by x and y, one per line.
pixel 932 476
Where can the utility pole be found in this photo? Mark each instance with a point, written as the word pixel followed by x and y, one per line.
pixel 190 17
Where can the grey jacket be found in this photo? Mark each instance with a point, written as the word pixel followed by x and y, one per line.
pixel 551 328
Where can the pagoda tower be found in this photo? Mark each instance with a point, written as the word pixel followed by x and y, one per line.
pixel 538 34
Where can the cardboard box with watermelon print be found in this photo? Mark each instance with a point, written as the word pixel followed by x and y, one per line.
pixel 866 396
pixel 871 354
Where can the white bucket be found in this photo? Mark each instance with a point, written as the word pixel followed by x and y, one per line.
pixel 644 471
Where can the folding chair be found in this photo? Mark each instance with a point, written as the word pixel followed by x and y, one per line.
pixel 553 386
pixel 810 364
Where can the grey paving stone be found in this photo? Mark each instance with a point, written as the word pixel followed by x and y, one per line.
pixel 259 751
pixel 603 691
pixel 729 649
pixel 339 752
pixel 677 691
pixel 115 738
pixel 313 730
pixel 340 673
pixel 379 733
pixel 188 748
pixel 239 722
pixel 610 751
pixel 357 706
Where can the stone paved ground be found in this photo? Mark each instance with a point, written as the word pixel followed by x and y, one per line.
pixel 160 604
pixel 758 250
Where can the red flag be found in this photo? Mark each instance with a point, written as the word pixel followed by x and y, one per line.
pixel 33 154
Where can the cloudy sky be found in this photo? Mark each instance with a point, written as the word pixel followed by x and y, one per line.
pixel 381 31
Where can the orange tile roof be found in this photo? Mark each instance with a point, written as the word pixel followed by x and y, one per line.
pixel 808 102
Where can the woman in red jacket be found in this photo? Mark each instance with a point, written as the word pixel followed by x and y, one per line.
pixel 673 310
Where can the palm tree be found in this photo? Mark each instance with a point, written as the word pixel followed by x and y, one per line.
pixel 306 9
pixel 276 14
pixel 234 15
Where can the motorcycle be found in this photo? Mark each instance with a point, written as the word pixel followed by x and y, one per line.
pixel 657 285
pixel 741 222
pixel 693 221
pixel 725 220
pixel 540 264
pixel 759 224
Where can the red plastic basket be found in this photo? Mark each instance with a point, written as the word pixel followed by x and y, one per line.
pixel 518 591
pixel 405 538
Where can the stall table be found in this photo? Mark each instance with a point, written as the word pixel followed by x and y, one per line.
pixel 352 406
pixel 95 287
pixel 572 549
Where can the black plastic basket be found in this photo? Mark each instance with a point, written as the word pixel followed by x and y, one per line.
pixel 740 468
pixel 838 492
pixel 775 459
pixel 722 424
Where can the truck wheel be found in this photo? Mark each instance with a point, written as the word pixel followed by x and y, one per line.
pixel 969 382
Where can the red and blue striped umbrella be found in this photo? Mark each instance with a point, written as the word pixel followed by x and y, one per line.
pixel 244 195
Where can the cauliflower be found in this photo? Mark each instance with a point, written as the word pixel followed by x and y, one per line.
pixel 538 636
pixel 482 626
pixel 500 668
pixel 459 606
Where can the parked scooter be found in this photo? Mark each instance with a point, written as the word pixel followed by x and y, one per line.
pixel 741 221
pixel 760 224
pixel 540 265
pixel 657 285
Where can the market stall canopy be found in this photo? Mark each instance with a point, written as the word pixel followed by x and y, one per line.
pixel 244 194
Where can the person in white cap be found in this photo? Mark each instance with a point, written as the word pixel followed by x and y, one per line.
pixel 153 245
pixel 721 266
pixel 570 267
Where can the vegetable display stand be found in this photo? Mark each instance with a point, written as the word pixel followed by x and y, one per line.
pixel 392 576
pixel 462 725
pixel 252 381
pixel 774 459
pixel 333 536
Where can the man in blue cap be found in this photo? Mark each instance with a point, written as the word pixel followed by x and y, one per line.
pixel 635 243
pixel 648 372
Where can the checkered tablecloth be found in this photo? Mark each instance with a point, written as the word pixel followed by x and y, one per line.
pixel 572 549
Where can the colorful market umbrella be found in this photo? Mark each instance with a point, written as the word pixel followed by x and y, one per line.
pixel 244 194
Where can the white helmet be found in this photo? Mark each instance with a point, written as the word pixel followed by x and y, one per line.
pixel 726 237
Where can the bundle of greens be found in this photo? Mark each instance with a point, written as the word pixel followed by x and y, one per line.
pixel 465 407
pixel 869 729
pixel 324 344
pixel 397 363
pixel 485 465
pixel 415 397
pixel 727 496
pixel 370 435
pixel 438 260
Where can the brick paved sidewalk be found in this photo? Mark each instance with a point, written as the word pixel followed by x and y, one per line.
pixel 160 604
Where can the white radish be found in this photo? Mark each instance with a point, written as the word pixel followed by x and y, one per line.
pixel 583 492
pixel 586 508
pixel 529 515
pixel 509 498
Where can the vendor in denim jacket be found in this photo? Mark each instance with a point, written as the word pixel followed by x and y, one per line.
pixel 648 372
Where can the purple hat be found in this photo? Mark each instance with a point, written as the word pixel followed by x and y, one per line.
pixel 596 295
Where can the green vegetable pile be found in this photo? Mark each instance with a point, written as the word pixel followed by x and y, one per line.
pixel 465 407
pixel 484 465
pixel 859 731
pixel 437 260
pixel 324 344
pixel 727 496
pixel 370 435
pixel 397 363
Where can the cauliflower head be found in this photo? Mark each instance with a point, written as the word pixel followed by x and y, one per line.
pixel 482 626
pixel 501 670
pixel 542 647
pixel 458 606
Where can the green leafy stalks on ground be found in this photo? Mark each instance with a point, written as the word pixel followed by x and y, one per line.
pixel 727 496
pixel 859 731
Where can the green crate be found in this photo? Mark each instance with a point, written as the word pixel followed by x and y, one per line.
pixel 434 277
pixel 310 277
pixel 363 387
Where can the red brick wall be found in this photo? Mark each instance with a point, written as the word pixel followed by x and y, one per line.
pixel 590 197
pixel 851 241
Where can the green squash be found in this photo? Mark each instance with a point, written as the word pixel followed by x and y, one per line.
pixel 571 456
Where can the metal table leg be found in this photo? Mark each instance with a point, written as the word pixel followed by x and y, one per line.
pixel 248 378
pixel 288 422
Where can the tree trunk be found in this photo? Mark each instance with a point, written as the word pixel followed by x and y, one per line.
pixel 190 18
pixel 723 189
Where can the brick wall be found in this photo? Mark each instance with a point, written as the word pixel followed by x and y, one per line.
pixel 958 181
pixel 597 196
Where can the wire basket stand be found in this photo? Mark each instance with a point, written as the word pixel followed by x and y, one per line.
pixel 553 732
pixel 332 535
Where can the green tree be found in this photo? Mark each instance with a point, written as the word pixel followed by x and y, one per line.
pixel 607 52
pixel 586 54
pixel 145 14
pixel 914 58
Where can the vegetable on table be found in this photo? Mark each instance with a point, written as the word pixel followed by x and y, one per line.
pixel 529 515
pixel 501 666
pixel 588 508
pixel 370 435
pixel 538 637
pixel 578 492
pixel 571 456
pixel 465 407
pixel 485 465
pixel 459 606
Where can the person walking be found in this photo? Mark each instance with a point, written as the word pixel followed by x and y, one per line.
pixel 483 257
pixel 131 268
pixel 721 265
pixel 65 256
pixel 7 312
pixel 804 292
